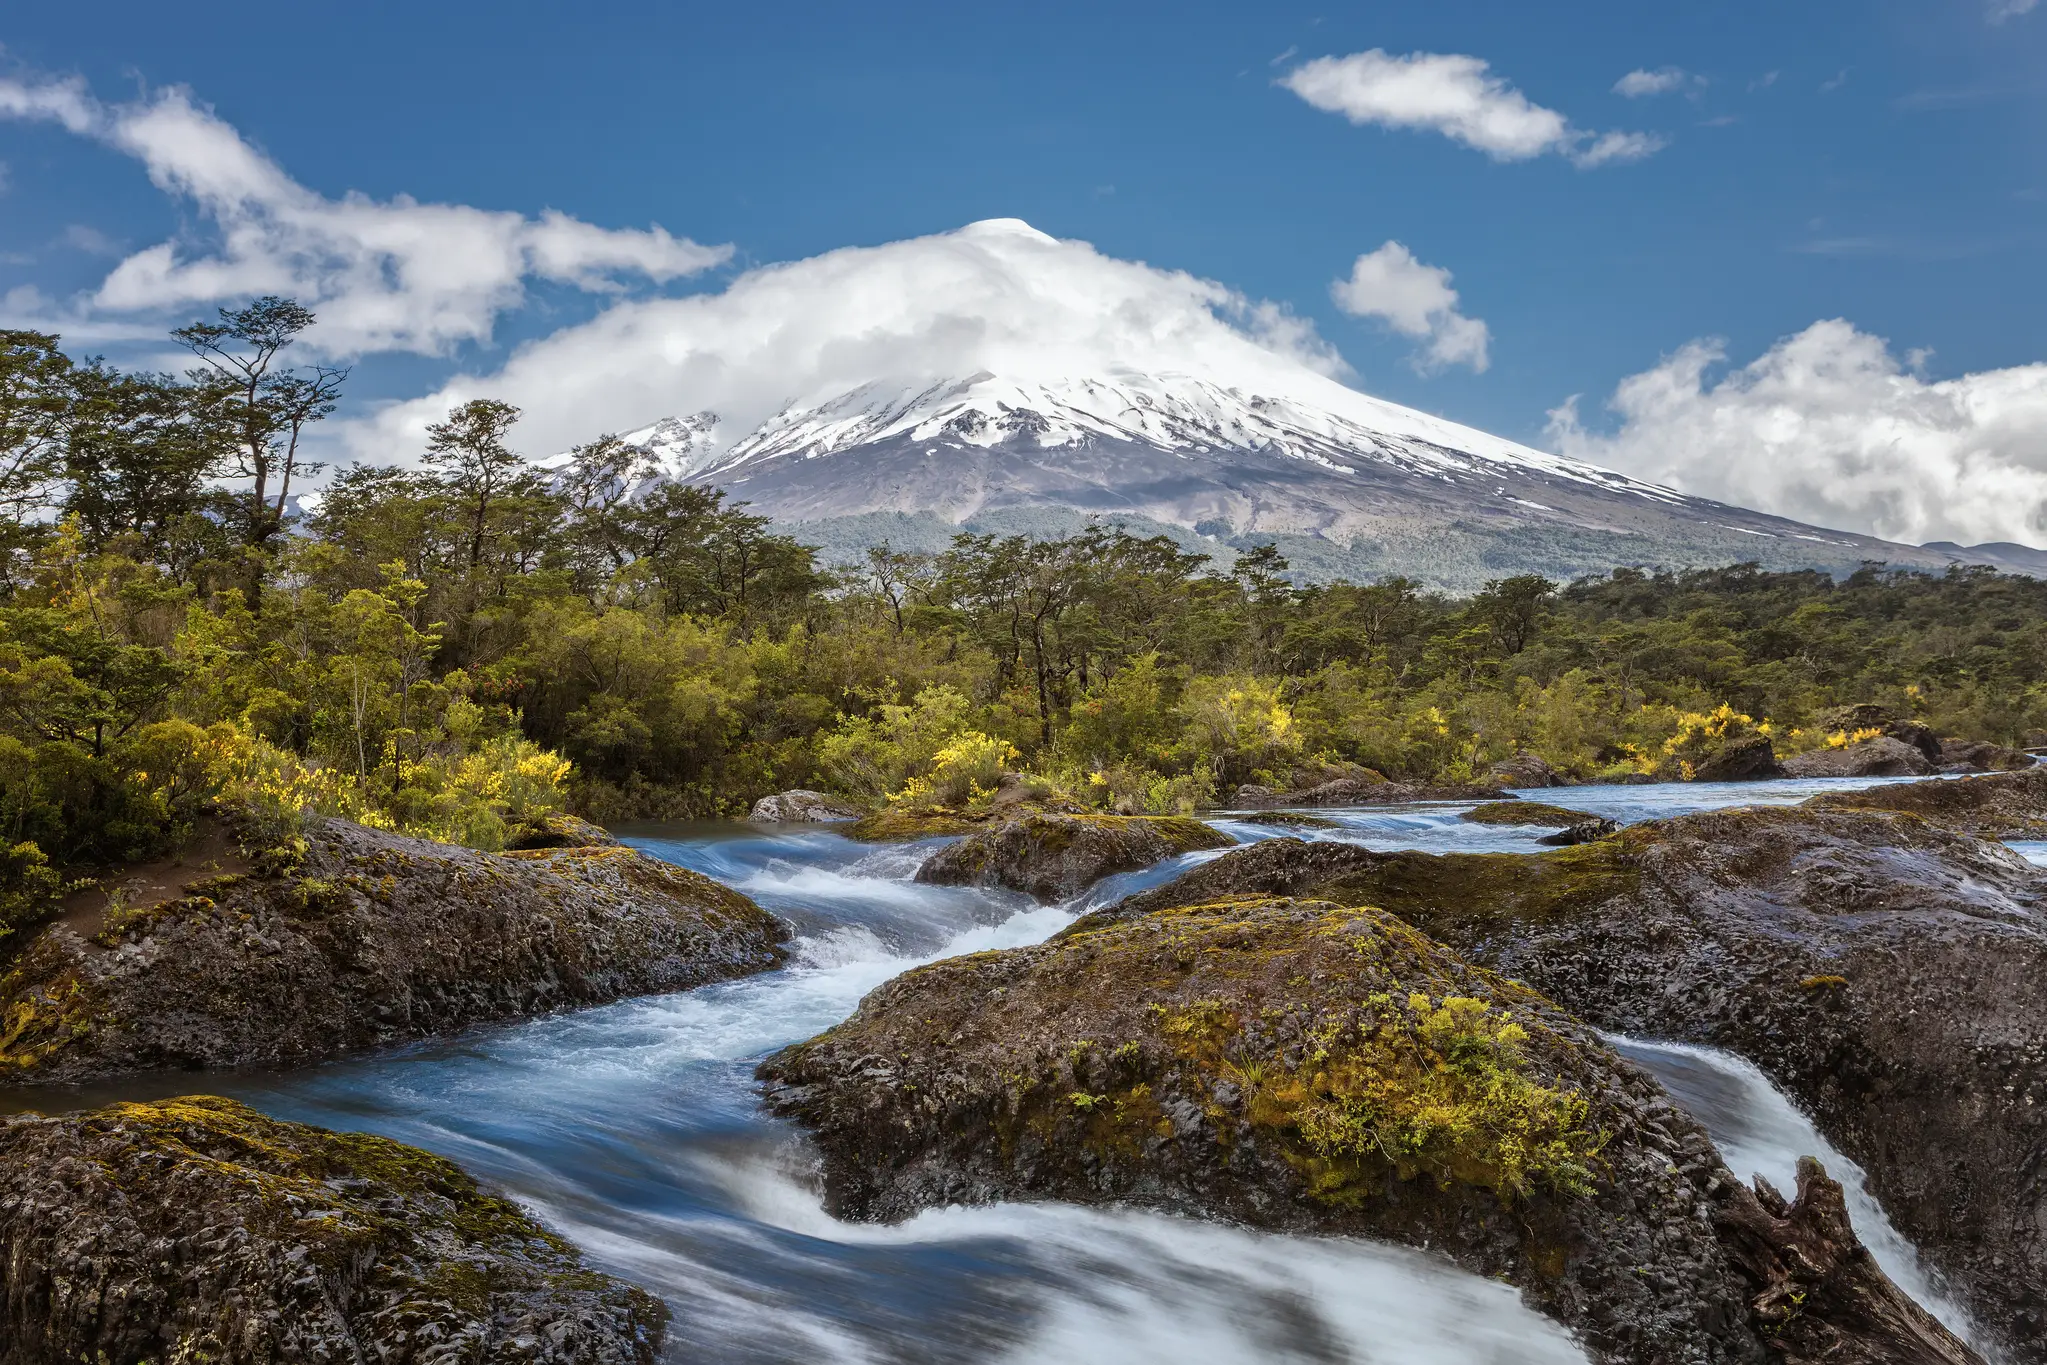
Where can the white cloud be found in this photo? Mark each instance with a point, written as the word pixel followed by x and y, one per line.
pixel 1459 97
pixel 2001 10
pixel 1416 301
pixel 383 275
pixel 1828 426
pixel 996 296
pixel 90 240
pixel 1662 81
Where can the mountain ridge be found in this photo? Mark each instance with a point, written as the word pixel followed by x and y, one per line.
pixel 1346 484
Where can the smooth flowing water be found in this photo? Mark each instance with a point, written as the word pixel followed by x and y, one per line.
pixel 635 1130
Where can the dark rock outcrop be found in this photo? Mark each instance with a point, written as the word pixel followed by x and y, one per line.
pixel 1584 832
pixel 1981 756
pixel 1743 760
pixel 801 807
pixel 360 938
pixel 1887 972
pixel 1351 791
pixel 1299 1066
pixel 1526 770
pixel 198 1230
pixel 2000 806
pixel 1878 757
pixel 1054 857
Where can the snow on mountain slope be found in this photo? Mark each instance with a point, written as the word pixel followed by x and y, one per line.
pixel 1180 413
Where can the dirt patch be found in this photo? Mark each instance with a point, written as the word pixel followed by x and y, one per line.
pixel 212 852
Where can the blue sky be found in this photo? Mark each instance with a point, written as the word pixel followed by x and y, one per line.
pixel 1881 163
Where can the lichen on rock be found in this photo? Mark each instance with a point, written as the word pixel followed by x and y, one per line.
pixel 196 1229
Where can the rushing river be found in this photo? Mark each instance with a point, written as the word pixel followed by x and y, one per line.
pixel 634 1129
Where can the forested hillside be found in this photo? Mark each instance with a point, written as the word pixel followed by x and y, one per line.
pixel 458 640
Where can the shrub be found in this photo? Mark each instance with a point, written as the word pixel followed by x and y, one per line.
pixel 964 773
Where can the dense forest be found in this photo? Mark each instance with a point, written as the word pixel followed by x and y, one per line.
pixel 458 640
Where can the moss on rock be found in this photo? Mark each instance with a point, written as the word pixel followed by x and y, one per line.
pixel 364 938
pixel 1525 813
pixel 1054 857
pixel 196 1229
pixel 1286 1064
pixel 1889 971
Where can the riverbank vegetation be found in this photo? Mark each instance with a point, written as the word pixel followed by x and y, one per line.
pixel 461 640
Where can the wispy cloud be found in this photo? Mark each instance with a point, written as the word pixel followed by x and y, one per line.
pixel 1835 82
pixel 1416 301
pixel 383 275
pixel 90 240
pixel 1664 80
pixel 1459 97
pixel 2000 10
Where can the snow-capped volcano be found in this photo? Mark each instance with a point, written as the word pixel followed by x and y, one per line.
pixel 995 378
pixel 1175 413
pixel 1349 485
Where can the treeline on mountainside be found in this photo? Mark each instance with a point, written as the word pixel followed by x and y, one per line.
pixel 464 642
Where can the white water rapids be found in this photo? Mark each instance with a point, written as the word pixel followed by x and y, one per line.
pixel 634 1129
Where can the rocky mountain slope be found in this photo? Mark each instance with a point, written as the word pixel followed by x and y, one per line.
pixel 1346 484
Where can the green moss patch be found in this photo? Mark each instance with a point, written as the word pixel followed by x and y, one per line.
pixel 1525 813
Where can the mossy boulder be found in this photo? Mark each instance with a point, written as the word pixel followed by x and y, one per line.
pixel 1055 857
pixel 1526 770
pixel 1537 813
pixel 354 938
pixel 196 1229
pixel 1888 972
pixel 1998 806
pixel 1299 1066
pixel 898 825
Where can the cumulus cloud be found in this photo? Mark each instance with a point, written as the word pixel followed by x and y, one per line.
pixel 1415 300
pixel 383 275
pixel 1662 81
pixel 1831 427
pixel 1459 97
pixel 997 296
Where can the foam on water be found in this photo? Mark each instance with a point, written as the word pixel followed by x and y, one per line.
pixel 635 1129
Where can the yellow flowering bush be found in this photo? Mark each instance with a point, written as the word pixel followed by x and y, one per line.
pixel 966 771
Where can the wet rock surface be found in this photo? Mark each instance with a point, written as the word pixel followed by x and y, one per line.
pixel 803 807
pixel 1878 757
pixel 362 938
pixel 1054 857
pixel 1889 973
pixel 1295 1065
pixel 1999 806
pixel 197 1230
